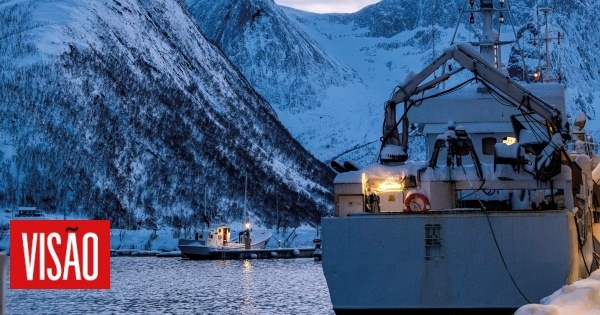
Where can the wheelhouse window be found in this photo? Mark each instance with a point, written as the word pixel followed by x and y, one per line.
pixel 509 140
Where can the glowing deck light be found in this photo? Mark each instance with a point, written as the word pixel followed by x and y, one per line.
pixel 390 185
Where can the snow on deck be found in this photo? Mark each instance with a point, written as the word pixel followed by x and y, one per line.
pixel 581 298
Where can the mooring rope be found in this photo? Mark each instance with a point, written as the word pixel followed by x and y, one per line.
pixel 495 240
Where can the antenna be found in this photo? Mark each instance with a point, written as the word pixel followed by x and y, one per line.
pixel 433 56
pixel 489 42
pixel 433 41
pixel 547 39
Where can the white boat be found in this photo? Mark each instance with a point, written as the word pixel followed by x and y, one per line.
pixel 207 244
pixel 483 226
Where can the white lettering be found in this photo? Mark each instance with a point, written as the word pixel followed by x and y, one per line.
pixel 54 271
pixel 72 252
pixel 42 256
pixel 86 274
pixel 29 256
pixel 56 276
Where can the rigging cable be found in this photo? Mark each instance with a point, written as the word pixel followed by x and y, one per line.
pixel 538 129
pixel 526 75
pixel 448 91
pixel 353 149
pixel 417 103
pixel 495 240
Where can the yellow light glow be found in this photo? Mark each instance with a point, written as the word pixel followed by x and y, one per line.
pixel 390 185
pixel 247 225
pixel 509 140
pixel 363 179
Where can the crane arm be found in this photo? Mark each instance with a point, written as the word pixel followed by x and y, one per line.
pixel 469 59
pixel 472 60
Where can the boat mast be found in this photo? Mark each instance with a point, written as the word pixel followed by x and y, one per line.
pixel 246 221
pixel 547 39
pixel 488 39
pixel 247 237
pixel 246 196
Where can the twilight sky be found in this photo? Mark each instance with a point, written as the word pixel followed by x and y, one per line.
pixel 327 6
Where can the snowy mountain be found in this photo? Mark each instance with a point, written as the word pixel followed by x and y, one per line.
pixel 123 110
pixel 381 44
pixel 285 65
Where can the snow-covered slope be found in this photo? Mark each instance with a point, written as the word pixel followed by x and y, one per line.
pixel 383 42
pixel 288 68
pixel 276 56
pixel 121 109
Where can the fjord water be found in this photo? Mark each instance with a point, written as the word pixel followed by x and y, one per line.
pixel 151 285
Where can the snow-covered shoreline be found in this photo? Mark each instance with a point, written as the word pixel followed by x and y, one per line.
pixel 163 240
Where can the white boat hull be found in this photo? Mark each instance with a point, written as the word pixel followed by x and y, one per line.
pixel 391 268
pixel 195 249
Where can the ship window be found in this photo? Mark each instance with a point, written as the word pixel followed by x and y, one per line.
pixel 211 236
pixel 487 144
pixel 509 140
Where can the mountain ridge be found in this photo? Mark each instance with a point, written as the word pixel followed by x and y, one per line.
pixel 122 110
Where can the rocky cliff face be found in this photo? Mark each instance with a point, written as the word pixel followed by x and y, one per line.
pixel 276 56
pixel 123 110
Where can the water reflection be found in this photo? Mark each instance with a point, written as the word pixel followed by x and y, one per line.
pixel 247 284
pixel 149 285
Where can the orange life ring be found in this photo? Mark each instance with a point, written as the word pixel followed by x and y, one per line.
pixel 416 202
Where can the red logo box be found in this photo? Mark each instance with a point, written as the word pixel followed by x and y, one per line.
pixel 60 254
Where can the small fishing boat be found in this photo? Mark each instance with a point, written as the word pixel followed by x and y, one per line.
pixel 207 243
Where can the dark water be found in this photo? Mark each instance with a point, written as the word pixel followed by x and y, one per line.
pixel 151 285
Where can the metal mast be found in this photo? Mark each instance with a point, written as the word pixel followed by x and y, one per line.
pixel 547 39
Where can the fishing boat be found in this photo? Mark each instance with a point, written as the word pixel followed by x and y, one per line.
pixel 209 243
pixel 499 214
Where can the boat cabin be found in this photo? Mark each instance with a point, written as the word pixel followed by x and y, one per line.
pixel 218 236
pixel 483 117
